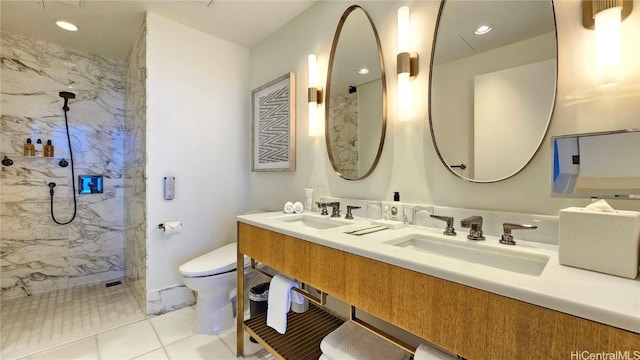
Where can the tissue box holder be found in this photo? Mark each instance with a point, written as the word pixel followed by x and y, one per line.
pixel 607 242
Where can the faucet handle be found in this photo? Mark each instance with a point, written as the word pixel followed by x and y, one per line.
pixel 449 230
pixel 507 238
pixel 349 208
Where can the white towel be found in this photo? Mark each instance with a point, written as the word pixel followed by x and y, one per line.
pixel 324 357
pixel 352 342
pixel 298 208
pixel 426 352
pixel 279 303
pixel 288 207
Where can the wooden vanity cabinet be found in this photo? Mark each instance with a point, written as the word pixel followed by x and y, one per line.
pixel 473 323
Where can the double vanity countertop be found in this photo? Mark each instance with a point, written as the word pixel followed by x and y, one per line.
pixel 598 297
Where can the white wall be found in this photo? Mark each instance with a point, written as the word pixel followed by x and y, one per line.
pixel 409 163
pixel 454 98
pixel 197 131
pixel 511 112
pixel 369 110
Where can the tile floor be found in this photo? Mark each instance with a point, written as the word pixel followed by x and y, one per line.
pixel 169 336
pixel 98 322
pixel 41 321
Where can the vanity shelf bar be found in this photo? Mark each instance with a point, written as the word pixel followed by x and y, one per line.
pixel 320 302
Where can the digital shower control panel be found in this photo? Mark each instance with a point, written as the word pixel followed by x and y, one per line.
pixel 90 184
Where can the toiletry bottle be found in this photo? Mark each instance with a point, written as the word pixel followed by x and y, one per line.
pixel 48 149
pixel 29 149
pixel 38 147
pixel 396 208
pixel 308 199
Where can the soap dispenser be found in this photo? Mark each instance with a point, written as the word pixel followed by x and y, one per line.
pixel 396 212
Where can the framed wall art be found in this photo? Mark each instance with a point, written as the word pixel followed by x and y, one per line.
pixel 273 125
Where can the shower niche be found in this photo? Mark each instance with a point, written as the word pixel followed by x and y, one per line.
pixel 90 184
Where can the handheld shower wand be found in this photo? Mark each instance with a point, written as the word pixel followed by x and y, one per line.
pixel 66 96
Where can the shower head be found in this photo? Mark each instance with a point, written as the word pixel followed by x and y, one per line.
pixel 66 95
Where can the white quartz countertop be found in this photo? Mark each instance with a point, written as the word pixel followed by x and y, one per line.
pixel 599 297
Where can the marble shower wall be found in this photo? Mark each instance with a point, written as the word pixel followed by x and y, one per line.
pixel 344 132
pixel 36 254
pixel 134 180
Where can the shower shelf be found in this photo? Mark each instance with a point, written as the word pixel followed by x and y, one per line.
pixel 304 333
pixel 20 156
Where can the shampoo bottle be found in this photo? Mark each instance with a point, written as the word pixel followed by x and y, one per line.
pixel 38 147
pixel 48 149
pixel 29 149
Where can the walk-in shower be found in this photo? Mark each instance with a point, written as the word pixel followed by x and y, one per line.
pixel 66 95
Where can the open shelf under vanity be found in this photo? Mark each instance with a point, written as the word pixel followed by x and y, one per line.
pixel 304 333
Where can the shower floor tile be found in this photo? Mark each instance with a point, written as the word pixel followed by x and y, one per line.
pixel 39 321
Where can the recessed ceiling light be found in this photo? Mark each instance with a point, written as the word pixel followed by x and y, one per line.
pixel 66 25
pixel 363 71
pixel 483 29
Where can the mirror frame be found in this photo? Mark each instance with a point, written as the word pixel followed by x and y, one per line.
pixel 542 138
pixel 334 45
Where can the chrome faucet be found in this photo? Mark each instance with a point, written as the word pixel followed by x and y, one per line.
pixel 336 209
pixel 507 239
pixel 449 230
pixel 475 225
pixel 323 207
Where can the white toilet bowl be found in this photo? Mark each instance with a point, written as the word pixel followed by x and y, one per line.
pixel 213 277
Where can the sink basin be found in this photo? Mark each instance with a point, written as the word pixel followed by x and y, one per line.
pixel 312 221
pixel 509 259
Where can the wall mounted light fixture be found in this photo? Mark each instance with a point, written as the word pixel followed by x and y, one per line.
pixel 314 96
pixel 407 63
pixel 605 16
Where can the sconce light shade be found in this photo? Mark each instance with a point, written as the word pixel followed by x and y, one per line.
pixel 314 96
pixel 606 16
pixel 404 29
pixel 407 64
pixel 608 27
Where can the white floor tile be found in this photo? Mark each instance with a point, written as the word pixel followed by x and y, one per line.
pixel 175 325
pixel 200 347
pixel 86 349
pixel 128 341
pixel 251 350
pixel 158 354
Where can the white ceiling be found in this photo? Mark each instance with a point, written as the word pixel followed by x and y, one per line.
pixel 108 27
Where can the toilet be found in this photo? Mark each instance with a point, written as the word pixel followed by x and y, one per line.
pixel 213 277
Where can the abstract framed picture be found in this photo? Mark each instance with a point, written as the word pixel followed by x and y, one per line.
pixel 273 125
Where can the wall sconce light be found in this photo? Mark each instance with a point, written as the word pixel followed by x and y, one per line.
pixel 314 96
pixel 407 63
pixel 605 16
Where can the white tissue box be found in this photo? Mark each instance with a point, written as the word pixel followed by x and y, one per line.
pixel 607 242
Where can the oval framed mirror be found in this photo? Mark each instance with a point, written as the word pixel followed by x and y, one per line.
pixel 356 101
pixel 491 95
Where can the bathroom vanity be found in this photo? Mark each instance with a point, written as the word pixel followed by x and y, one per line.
pixel 474 310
